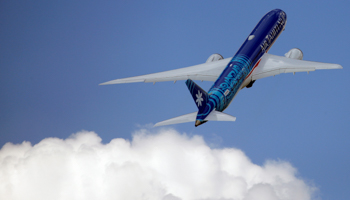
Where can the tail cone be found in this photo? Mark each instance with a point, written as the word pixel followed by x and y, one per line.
pixel 199 123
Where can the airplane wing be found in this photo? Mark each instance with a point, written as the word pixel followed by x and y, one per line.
pixel 271 65
pixel 209 71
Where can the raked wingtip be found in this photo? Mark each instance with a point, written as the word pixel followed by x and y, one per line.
pixel 157 124
pixel 108 83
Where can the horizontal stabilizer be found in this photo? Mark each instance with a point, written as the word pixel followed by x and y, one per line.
pixel 191 117
pixel 220 116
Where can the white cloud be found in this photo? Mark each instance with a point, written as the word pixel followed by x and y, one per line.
pixel 166 165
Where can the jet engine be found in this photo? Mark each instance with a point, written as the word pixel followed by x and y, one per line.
pixel 294 53
pixel 214 57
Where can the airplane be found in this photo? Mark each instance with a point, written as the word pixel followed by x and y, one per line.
pixel 250 63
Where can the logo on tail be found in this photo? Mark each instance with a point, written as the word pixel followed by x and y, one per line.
pixel 199 98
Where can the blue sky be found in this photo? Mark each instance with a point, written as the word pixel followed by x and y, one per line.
pixel 54 55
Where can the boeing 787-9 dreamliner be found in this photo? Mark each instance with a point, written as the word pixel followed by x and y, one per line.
pixel 230 75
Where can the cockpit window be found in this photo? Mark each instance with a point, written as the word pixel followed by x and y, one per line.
pixel 251 37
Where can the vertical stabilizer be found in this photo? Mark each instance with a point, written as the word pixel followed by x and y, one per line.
pixel 199 96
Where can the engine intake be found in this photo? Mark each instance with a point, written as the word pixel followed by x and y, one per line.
pixel 214 57
pixel 294 53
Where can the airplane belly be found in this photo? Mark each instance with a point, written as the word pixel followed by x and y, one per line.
pixel 223 93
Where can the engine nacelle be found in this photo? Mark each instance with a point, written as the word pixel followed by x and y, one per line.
pixel 214 57
pixel 294 53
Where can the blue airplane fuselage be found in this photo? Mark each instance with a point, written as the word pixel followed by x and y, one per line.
pixel 243 63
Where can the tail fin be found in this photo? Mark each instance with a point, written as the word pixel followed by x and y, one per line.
pixel 199 96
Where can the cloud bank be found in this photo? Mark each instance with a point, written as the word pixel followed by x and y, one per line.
pixel 165 165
